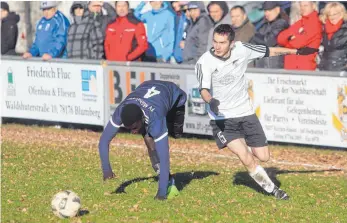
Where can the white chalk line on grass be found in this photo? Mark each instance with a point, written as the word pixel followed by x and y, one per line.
pixel 283 162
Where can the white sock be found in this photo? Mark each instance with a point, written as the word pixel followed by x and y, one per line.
pixel 261 177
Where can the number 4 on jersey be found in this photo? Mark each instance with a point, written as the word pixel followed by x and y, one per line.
pixel 151 92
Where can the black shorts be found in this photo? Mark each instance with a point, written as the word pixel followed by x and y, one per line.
pixel 248 127
pixel 175 120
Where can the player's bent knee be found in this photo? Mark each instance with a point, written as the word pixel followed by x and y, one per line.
pixel 265 158
pixel 262 153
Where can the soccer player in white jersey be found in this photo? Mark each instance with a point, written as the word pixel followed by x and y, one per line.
pixel 222 83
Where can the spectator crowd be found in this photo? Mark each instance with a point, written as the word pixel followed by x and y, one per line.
pixel 180 32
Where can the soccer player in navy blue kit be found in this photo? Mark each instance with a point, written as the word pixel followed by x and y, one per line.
pixel 155 109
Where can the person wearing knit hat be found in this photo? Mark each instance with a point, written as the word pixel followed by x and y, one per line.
pixel 5 7
pixel 9 30
pixel 155 109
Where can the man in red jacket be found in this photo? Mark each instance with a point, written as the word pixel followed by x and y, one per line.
pixel 307 32
pixel 126 38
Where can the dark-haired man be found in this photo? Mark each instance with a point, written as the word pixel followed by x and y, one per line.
pixel 243 28
pixel 155 109
pixel 221 76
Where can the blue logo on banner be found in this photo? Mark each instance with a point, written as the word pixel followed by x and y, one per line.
pixel 89 83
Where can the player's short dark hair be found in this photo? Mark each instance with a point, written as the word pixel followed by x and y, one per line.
pixel 239 7
pixel 130 114
pixel 225 29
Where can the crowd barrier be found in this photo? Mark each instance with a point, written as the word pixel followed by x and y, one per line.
pixel 293 106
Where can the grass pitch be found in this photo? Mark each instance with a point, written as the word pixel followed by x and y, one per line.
pixel 39 162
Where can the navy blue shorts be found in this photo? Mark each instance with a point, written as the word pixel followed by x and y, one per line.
pixel 248 128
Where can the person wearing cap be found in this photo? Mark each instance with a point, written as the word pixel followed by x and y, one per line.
pixel 218 11
pixel 273 23
pixel 103 13
pixel 197 33
pixel 156 110
pixel 160 23
pixel 85 36
pixel 9 30
pixel 51 33
pixel 305 32
pixel 244 29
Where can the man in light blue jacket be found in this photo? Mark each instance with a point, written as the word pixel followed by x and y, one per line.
pixel 160 23
pixel 51 33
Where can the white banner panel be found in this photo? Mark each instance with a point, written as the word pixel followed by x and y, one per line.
pixel 300 109
pixel 53 91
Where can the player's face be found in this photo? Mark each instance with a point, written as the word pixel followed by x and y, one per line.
pixel 78 11
pixel 95 6
pixel 4 13
pixel 306 8
pixel 272 14
pixel 176 6
pixel 122 8
pixel 216 12
pixel 237 17
pixel 194 14
pixel 136 127
pixel 335 15
pixel 221 45
pixel 49 13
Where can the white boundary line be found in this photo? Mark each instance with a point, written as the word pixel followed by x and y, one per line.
pixel 283 162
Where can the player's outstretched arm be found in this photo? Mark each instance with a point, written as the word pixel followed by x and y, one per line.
pixel 278 51
pixel 106 137
pixel 162 147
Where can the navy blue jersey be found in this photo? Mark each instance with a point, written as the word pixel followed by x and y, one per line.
pixel 156 99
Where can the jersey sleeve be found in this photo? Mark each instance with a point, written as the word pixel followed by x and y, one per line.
pixel 162 148
pixel 107 135
pixel 203 74
pixel 158 130
pixel 115 120
pixel 255 51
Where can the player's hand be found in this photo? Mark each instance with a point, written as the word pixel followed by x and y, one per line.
pixel 182 43
pixel 306 51
pixel 160 198
pixel 109 175
pixel 46 57
pixel 214 103
pixel 27 55
pixel 291 38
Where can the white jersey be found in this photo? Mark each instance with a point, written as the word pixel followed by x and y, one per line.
pixel 225 79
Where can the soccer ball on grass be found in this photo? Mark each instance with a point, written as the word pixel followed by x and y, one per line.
pixel 66 204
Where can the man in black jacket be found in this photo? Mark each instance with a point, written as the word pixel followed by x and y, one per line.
pixel 267 34
pixel 9 30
